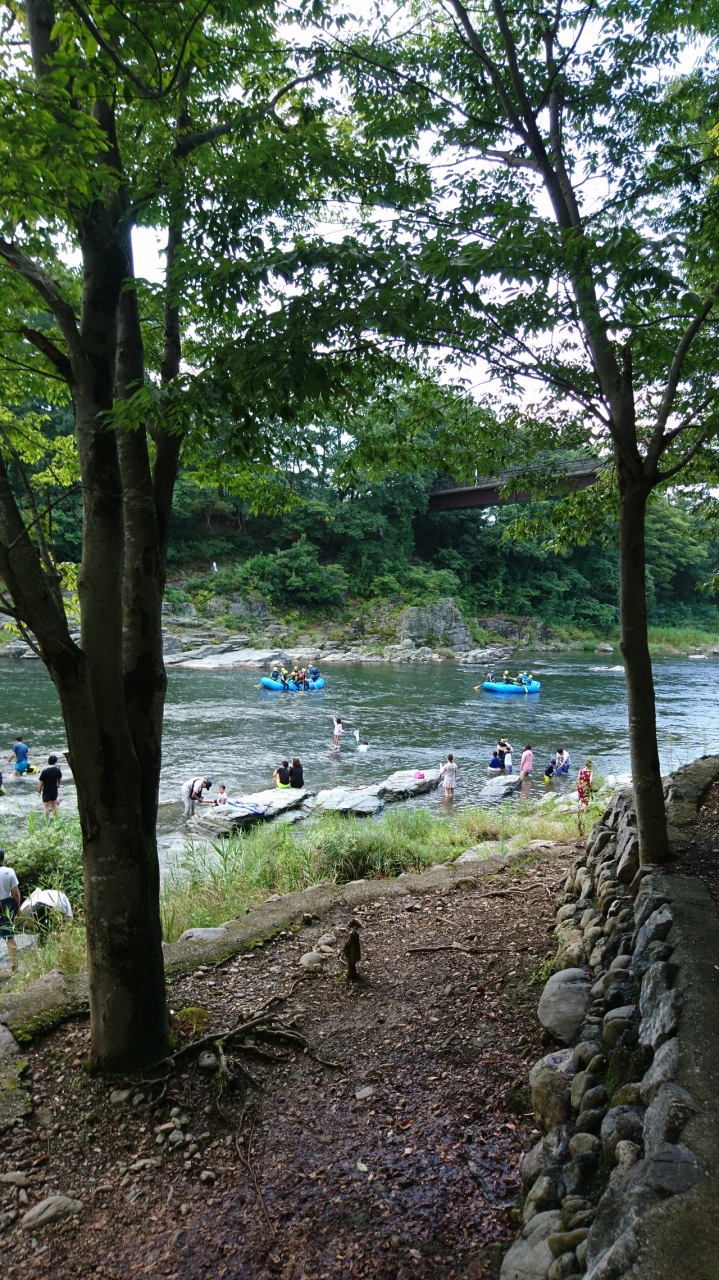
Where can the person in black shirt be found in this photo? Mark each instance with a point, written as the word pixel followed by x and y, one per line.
pixel 297 775
pixel 48 785
pixel 281 776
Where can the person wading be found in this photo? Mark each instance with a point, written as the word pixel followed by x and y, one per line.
pixel 48 786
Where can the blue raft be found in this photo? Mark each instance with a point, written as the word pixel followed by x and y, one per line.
pixel 499 686
pixel 291 687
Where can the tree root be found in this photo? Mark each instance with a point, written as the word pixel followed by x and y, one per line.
pixel 265 1024
pixel 246 1162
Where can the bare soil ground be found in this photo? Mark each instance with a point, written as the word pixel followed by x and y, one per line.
pixel 701 859
pixel 299 1179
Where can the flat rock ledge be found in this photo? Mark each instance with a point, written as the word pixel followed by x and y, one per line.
pixel 624 1183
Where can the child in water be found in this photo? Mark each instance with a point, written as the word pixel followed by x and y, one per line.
pixel 495 763
pixel 448 772
pixel 338 730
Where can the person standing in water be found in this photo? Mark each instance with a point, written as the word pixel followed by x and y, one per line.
pixel 448 773
pixel 48 787
pixel 526 764
pixel 19 755
pixel 192 794
pixel 338 730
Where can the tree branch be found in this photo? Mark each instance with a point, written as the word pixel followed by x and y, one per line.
pixel 189 142
pixel 683 462
pixel 48 291
pixel 50 351
pixel 657 445
pixel 123 67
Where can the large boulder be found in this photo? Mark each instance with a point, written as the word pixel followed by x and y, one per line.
pixel 564 1002
pixel 438 623
pixel 530 1256
pixel 551 1083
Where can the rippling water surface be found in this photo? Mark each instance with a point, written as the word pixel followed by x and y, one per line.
pixel 223 724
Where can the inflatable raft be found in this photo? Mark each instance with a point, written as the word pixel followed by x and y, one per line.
pixel 291 687
pixel 499 686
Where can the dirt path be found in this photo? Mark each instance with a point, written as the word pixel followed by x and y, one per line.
pixel 415 1177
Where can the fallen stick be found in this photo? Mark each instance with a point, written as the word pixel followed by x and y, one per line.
pixel 471 951
pixel 246 1161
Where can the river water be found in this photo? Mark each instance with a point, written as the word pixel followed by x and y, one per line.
pixel 223 724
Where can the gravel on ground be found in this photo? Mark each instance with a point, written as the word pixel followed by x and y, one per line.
pixel 400 1160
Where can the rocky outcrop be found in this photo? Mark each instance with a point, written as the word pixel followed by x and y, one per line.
pixel 632 1100
pixel 435 624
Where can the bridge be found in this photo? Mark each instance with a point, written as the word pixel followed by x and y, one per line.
pixel 451 495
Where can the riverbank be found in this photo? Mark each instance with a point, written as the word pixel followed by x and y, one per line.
pixel 204 630
pixel 211 883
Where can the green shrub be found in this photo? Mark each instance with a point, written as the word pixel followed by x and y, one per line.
pixel 49 856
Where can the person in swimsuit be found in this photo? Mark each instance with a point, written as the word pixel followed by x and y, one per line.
pixel 584 784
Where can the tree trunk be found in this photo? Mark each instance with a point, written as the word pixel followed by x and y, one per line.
pixel 128 1007
pixel 646 775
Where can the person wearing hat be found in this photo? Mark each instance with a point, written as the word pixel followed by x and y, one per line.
pixel 9 906
pixel 192 794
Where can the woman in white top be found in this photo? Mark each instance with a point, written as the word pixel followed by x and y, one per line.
pixel 448 773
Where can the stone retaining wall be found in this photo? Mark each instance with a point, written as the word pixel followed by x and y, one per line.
pixel 624 1182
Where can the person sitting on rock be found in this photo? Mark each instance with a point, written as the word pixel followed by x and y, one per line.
pixel 281 775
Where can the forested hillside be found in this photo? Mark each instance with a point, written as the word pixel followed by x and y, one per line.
pixel 383 543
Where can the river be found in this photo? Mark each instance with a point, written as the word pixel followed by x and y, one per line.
pixel 224 725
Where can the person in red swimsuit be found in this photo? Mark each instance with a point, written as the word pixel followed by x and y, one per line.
pixel 584 784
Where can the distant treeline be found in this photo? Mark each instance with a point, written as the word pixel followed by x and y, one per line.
pixel 382 543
